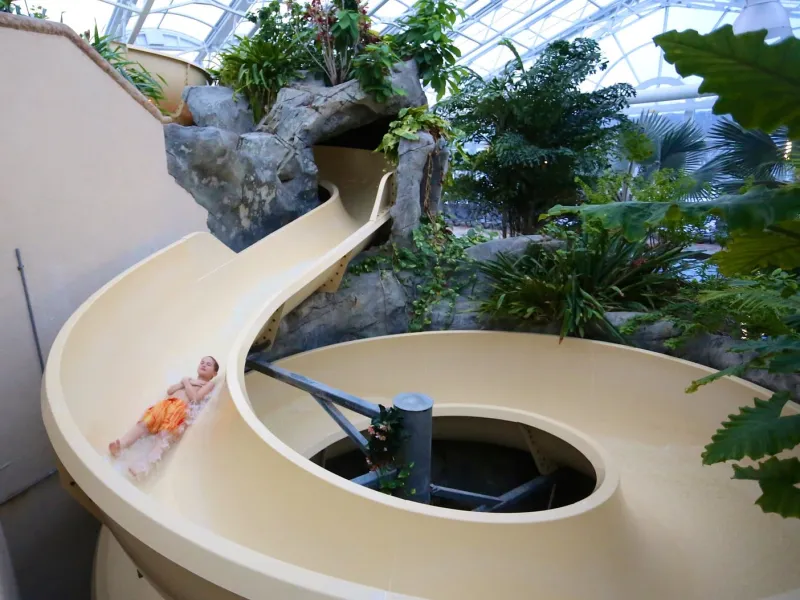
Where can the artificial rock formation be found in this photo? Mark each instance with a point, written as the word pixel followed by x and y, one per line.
pixel 252 182
pixel 380 303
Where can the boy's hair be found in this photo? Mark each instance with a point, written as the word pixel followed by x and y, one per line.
pixel 216 364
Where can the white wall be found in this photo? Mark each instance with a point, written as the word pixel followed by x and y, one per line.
pixel 84 194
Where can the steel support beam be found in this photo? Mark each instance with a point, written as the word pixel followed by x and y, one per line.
pixel 225 27
pixel 315 388
pixel 372 479
pixel 472 498
pixel 148 4
pixel 520 493
pixel 343 422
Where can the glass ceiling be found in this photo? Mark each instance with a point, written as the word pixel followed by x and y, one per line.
pixel 197 29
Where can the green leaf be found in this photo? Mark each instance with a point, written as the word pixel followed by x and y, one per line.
pixel 771 248
pixel 755 432
pixel 778 481
pixel 759 208
pixel 786 362
pixel 757 84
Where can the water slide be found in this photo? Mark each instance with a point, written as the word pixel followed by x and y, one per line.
pixel 237 509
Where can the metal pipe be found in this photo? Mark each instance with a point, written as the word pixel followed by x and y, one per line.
pixel 662 94
pixel 21 269
pixel 416 445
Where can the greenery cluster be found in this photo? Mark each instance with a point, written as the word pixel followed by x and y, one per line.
pixel 334 40
pixel 536 131
pixel 757 86
pixel 143 80
pixel 258 66
pixel 13 7
pixel 579 276
pixel 436 267
pixel 409 123
pixel 425 38
pixel 384 436
pixel 747 308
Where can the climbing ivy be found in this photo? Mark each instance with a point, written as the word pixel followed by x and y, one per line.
pixel 435 267
pixel 409 122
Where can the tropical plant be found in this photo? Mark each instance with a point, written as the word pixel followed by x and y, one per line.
pixel 373 69
pixel 436 267
pixel 146 82
pixel 536 131
pixel 409 122
pixel 342 29
pixel 425 37
pixel 259 66
pixel 758 85
pixel 749 157
pixel 575 285
pixel 677 146
pixel 12 6
pixel 748 308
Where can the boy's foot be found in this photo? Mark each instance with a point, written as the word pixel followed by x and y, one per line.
pixel 115 448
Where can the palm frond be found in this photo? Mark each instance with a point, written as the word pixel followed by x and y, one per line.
pixel 748 153
pixel 678 146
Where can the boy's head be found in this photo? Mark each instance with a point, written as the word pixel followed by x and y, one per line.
pixel 208 368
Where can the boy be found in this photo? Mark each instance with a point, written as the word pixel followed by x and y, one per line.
pixel 169 414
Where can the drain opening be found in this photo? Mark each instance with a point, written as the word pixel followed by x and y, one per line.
pixel 491 457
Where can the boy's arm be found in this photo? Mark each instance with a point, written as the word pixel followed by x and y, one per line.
pixel 189 389
pixel 174 388
pixel 205 390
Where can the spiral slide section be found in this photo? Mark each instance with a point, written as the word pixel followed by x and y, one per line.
pixel 237 509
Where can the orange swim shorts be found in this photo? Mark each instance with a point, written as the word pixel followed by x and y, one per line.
pixel 167 415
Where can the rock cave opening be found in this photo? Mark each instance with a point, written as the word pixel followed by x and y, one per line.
pixel 366 137
pixel 491 457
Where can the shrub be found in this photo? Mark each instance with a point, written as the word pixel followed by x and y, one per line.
pixel 537 130
pixel 409 122
pixel 148 84
pixel 259 66
pixel 425 37
pixel 595 272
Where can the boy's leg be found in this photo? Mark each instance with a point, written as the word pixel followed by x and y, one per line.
pixel 134 433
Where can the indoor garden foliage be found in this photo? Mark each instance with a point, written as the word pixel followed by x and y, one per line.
pixel 534 131
pixel 757 85
pixel 143 80
pixel 14 7
pixel 333 40
pixel 575 281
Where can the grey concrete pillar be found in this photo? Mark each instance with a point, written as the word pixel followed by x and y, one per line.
pixel 417 412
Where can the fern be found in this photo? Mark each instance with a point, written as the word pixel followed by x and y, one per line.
pixel 755 432
pixel 778 481
pixel 745 297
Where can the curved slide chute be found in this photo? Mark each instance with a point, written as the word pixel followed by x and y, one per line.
pixel 236 509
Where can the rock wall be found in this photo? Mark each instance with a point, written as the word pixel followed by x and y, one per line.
pixel 254 180
pixel 379 303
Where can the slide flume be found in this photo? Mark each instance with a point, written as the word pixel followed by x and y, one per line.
pixel 236 509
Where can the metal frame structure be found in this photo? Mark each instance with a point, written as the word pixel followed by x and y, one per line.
pixel 415 446
pixel 530 24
